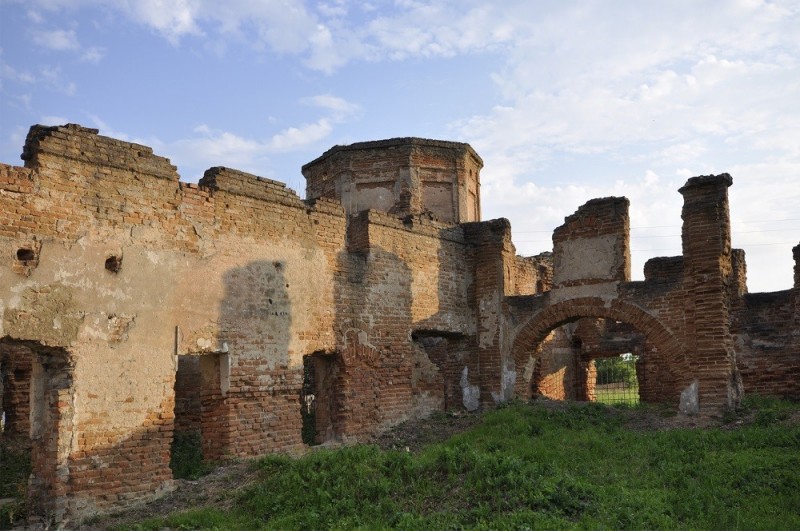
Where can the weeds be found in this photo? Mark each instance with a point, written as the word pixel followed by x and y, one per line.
pixel 15 459
pixel 186 459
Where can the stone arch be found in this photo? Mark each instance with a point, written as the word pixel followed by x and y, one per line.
pixel 669 351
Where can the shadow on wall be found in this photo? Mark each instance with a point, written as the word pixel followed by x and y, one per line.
pixel 365 384
pixel 446 369
pixel 387 367
pixel 242 398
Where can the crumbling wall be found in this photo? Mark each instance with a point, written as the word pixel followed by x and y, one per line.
pixel 152 286
pixel 408 276
pixel 704 338
pixel 493 257
pixel 591 280
pixel 532 274
pixel 114 260
pixel 766 336
pixel 592 247
pixel 767 343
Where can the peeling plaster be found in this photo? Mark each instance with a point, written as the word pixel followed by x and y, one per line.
pixel 470 394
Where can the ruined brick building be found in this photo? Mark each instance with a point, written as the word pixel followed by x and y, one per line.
pixel 133 305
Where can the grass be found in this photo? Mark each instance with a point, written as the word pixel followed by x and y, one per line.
pixel 531 467
pixel 15 467
pixel 617 394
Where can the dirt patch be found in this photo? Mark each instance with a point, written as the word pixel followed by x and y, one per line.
pixel 217 489
pixel 415 434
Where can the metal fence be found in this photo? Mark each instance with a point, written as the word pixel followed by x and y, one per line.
pixel 616 381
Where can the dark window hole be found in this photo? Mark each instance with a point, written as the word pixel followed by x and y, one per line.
pixel 114 263
pixel 25 255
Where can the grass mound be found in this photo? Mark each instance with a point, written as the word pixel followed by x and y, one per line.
pixel 528 466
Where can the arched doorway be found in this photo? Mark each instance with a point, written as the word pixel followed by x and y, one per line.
pixel 657 373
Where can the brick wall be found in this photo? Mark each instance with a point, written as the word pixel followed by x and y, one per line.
pixel 767 344
pixel 402 176
pixel 707 274
pixel 532 274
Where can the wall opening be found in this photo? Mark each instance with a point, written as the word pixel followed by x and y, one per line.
pixel 590 359
pixel 438 381
pixel 26 255
pixel 39 406
pixel 616 380
pixel 15 382
pixel 186 451
pixel 318 398
pixel 197 434
pixel 15 442
pixel 552 366
pixel 26 259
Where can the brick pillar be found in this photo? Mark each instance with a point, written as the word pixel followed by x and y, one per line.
pixel 708 271
pixel 492 256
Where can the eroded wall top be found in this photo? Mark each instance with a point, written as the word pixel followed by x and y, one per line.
pixel 592 246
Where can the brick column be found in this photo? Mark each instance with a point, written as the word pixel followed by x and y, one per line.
pixel 707 272
pixel 492 262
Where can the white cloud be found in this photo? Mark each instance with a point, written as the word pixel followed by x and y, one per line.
pixel 59 40
pixel 25 101
pixel 9 72
pixel 93 54
pixel 296 137
pixel 340 108
pixel 35 17
pixel 214 147
pixel 173 19
pixel 63 40
pixel 682 95
pixel 51 76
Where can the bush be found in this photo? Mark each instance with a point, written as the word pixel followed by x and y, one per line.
pixel 616 370
pixel 14 472
pixel 186 459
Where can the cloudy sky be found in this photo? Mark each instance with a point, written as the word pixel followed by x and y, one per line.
pixel 564 101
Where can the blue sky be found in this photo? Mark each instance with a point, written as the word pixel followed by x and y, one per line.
pixel 564 101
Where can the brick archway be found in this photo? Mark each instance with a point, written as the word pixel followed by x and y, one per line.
pixel 668 350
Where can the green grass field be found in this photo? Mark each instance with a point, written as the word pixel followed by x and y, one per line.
pixel 534 467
